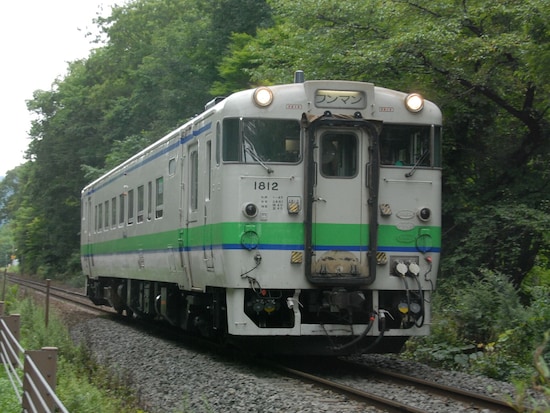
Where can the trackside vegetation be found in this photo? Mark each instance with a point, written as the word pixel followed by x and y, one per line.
pixel 83 386
pixel 484 62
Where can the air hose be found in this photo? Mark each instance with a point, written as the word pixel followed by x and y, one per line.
pixel 353 342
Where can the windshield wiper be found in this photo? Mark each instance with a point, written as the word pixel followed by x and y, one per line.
pixel 413 169
pixel 250 150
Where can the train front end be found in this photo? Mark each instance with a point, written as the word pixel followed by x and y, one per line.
pixel 336 232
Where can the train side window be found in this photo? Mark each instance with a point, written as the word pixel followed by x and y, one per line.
pixel 437 146
pixel 149 200
pixel 99 217
pixel 159 199
pixel 113 212
pixel 172 166
pixel 194 158
pixel 121 210
pixel 209 169
pixel 96 216
pixel 218 144
pixel 231 140
pixel 130 207
pixel 140 203
pixel 107 216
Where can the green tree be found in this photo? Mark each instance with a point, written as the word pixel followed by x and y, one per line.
pixel 151 73
pixel 7 248
pixel 481 61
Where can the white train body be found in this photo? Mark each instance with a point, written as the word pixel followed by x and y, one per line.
pixel 309 220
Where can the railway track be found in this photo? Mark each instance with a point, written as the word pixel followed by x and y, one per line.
pixel 373 386
pixel 60 293
pixel 352 379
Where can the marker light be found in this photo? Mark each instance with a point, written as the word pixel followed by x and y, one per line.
pixel 250 240
pixel 263 97
pixel 414 102
pixel 250 210
pixel 424 214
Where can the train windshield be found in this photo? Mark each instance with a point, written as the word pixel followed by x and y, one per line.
pixel 409 145
pixel 251 140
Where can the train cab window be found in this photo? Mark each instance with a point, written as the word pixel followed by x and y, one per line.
pixel 130 207
pixel 251 140
pixel 339 155
pixel 408 145
pixel 113 212
pixel 140 203
pixel 159 198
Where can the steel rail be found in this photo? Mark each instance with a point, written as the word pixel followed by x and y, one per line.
pixel 357 394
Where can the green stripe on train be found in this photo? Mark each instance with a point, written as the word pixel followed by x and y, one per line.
pixel 269 233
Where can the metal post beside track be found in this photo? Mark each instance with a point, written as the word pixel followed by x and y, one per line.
pixel 39 381
pixel 48 282
pixel 4 285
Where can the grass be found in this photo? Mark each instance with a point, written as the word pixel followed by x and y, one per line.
pixel 83 386
pixel 8 399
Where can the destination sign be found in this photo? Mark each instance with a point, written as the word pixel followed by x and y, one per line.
pixel 341 99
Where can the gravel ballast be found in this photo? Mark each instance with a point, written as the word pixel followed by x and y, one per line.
pixel 170 377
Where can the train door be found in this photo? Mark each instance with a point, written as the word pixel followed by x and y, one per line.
pixel 182 236
pixel 192 208
pixel 207 247
pixel 89 258
pixel 341 236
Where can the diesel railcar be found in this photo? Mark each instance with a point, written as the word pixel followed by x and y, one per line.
pixel 302 218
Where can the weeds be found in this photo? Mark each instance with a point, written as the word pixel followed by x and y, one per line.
pixel 83 385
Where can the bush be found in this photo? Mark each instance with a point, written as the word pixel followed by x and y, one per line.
pixel 486 307
pixel 482 327
pixel 82 385
pixel 11 298
pixel 540 380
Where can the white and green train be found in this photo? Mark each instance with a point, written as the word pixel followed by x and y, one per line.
pixel 299 218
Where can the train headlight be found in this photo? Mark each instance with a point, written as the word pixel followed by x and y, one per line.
pixel 263 96
pixel 250 210
pixel 414 102
pixel 424 214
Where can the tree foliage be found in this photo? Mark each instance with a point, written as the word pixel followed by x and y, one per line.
pixel 154 70
pixel 483 62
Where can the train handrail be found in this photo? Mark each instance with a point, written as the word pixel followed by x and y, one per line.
pixel 36 392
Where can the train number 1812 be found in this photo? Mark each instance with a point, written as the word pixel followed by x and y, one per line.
pixel 266 186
